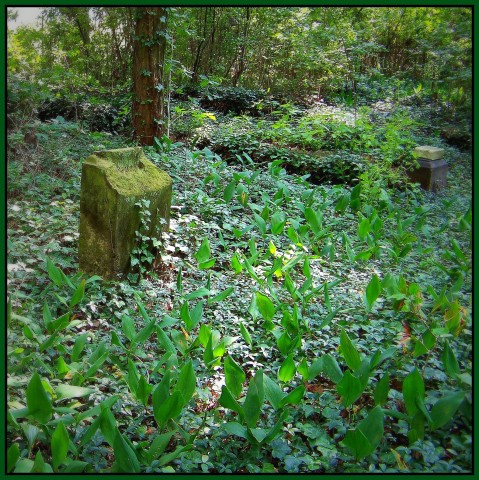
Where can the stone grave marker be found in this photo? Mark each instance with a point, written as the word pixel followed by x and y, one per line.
pixel 112 182
pixel 432 171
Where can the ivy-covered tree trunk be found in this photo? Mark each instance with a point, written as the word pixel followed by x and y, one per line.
pixel 149 49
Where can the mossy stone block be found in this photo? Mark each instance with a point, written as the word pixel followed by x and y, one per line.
pixel 429 153
pixel 112 182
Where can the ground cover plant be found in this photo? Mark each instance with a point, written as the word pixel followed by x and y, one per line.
pixel 289 327
pixel 309 309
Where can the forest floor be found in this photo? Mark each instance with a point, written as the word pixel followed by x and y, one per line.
pixel 341 299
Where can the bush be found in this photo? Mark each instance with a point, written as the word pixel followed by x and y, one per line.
pixel 98 116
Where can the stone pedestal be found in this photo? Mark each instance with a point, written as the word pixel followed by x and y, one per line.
pixel 432 171
pixel 112 182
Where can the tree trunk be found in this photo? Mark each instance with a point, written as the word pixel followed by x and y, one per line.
pixel 149 50
pixel 240 68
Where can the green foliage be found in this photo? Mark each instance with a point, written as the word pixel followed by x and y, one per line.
pixel 148 241
pixel 317 323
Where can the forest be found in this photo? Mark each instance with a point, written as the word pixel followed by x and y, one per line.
pixel 285 282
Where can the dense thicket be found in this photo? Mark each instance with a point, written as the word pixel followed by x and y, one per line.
pixel 85 53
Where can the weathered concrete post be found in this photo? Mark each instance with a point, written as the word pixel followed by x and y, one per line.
pixel 112 182
pixel 432 171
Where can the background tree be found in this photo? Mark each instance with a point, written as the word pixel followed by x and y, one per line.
pixel 149 48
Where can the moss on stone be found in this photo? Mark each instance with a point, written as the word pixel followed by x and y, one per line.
pixel 111 185
pixel 129 172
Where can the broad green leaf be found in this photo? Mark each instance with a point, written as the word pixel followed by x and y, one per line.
pixel 260 222
pixel 159 445
pixel 413 391
pixel 221 296
pixel 13 454
pixel 93 412
pixel 186 317
pixel 303 370
pixel 108 425
pixel 59 444
pixel 59 323
pixel 186 384
pixel 97 365
pixel 273 432
pixel 125 456
pixel 200 292
pixel 208 356
pixel 316 368
pixel 251 271
pixel 278 221
pixel 314 219
pixel 164 340
pixel 179 280
pixel 99 351
pixel 328 318
pixel 348 350
pixel 144 334
pixel 87 433
pixel 381 391
pixel 235 428
pixel 229 191
pixel 197 313
pixel 25 465
pixel 373 290
pixel 31 433
pixel 293 235
pixel 38 402
pixel 417 427
pixel 78 296
pixel 245 334
pixel 204 335
pixel 78 347
pixel 254 399
pixel 143 390
pixel 236 264
pixel 128 327
pixel 380 357
pixel 227 400
pixel 39 465
pixel 356 198
pixel 445 408
pixel 284 343
pixel 170 409
pixel 203 254
pixel 169 457
pixel 234 376
pixel 331 368
pixel 161 393
pixel 287 369
pixel 272 391
pixel 64 390
pixel 259 434
pixel 264 305
pixel 54 273
pixel 294 397
pixel 365 438
pixel 350 388
pixel 47 317
pixel 206 265
pixel 142 310
pixel 76 466
pixel 364 228
pixel 449 360
pixel 343 202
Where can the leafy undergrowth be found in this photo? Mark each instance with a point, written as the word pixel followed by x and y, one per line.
pixel 288 328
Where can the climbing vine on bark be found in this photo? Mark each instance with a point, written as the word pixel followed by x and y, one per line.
pixel 149 49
